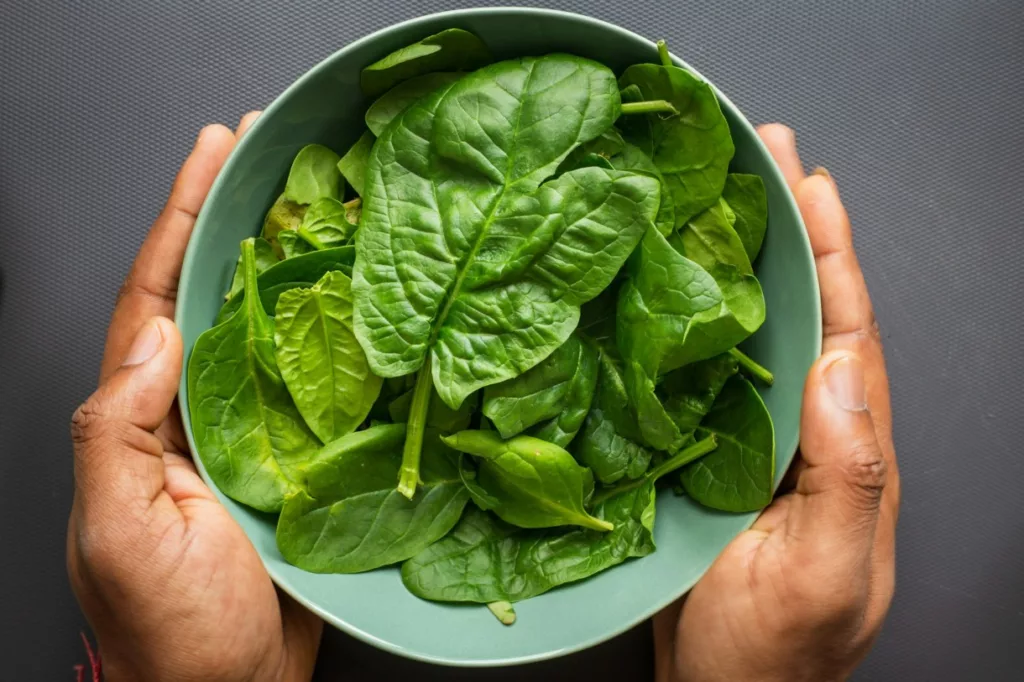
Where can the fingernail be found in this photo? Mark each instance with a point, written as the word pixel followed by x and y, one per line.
pixel 845 381
pixel 823 172
pixel 146 344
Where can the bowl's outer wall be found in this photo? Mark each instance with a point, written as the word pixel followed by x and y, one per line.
pixel 326 106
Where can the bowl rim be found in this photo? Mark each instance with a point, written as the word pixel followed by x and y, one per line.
pixel 227 170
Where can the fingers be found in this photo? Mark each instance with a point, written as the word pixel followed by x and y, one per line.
pixel 302 632
pixel 152 285
pixel 118 458
pixel 836 508
pixel 781 142
pixel 246 123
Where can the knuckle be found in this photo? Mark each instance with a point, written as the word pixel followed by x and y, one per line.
pixel 867 472
pixel 88 423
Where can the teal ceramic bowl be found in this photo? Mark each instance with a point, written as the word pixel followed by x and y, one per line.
pixel 325 106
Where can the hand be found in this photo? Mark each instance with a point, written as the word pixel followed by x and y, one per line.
pixel 170 584
pixel 802 594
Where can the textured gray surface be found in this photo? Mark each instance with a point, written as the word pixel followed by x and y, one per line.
pixel 914 106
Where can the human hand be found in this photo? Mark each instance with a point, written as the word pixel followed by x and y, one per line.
pixel 803 593
pixel 170 584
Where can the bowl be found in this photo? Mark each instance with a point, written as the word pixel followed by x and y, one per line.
pixel 326 106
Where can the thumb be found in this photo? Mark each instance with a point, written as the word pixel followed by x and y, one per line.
pixel 117 456
pixel 840 489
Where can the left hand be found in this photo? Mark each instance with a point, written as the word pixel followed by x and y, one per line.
pixel 170 584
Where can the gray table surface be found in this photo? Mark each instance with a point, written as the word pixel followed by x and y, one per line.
pixel 916 108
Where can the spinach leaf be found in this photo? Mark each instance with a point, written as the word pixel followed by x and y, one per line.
pixel 326 224
pixel 689 392
pixel 283 216
pixel 745 195
pixel 485 559
pixel 554 395
pixel 692 150
pixel 303 270
pixel 449 50
pixel 321 362
pixel 399 98
pixel 595 152
pixel 439 416
pixel 314 174
pixel 709 239
pixel 467 266
pixel 610 442
pixel 265 258
pixel 529 482
pixel 739 475
pixel 353 164
pixel 248 433
pixel 632 158
pixel 292 245
pixel 349 518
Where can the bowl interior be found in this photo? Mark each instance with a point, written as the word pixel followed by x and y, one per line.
pixel 326 106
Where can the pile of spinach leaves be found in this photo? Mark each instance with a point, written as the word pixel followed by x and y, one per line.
pixel 474 343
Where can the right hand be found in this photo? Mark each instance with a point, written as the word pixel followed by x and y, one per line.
pixel 803 593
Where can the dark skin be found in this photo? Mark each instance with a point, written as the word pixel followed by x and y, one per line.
pixel 174 590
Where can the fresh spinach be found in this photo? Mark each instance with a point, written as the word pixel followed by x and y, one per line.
pixel 292 245
pixel 502 261
pixel 283 216
pixel 739 475
pixel 321 362
pixel 353 164
pixel 486 560
pixel 553 396
pixel 529 482
pixel 314 174
pixel 449 50
pixel 401 97
pixel 251 438
pixel 265 258
pixel 745 195
pixel 326 224
pixel 303 270
pixel 439 415
pixel 692 149
pixel 349 518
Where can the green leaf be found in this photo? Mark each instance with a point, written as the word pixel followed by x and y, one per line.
pixel 486 560
pixel 449 50
pixel 632 158
pixel 303 270
pixel 689 392
pixel 439 416
pixel 283 216
pixel 322 364
pixel 401 97
pixel 313 175
pixel 265 258
pixel 709 239
pixel 326 224
pixel 553 396
pixel 745 195
pixel 467 264
pixel 462 252
pixel 350 518
pixel 530 483
pixel 610 442
pixel 739 475
pixel 672 312
pixel 692 150
pixel 249 435
pixel 292 245
pixel 595 152
pixel 353 164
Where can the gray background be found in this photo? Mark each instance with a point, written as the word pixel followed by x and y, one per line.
pixel 916 107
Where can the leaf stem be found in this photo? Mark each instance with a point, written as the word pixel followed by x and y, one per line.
pixel 311 239
pixel 651 106
pixel 747 363
pixel 409 476
pixel 666 59
pixel 503 611
pixel 681 458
